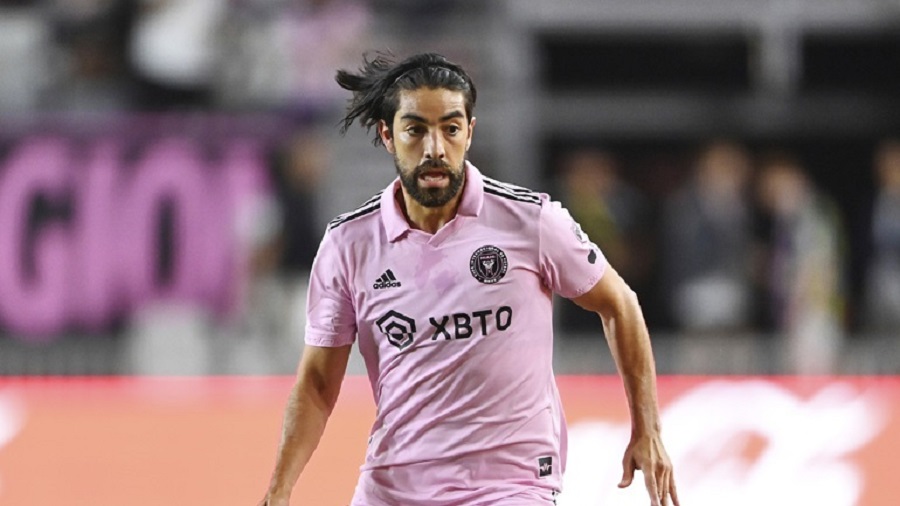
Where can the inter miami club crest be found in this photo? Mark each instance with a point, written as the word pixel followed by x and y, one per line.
pixel 488 264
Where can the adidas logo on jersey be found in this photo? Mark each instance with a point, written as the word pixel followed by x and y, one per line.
pixel 387 280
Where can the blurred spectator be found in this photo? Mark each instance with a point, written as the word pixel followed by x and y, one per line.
pixel 708 237
pixel 92 70
pixel 882 297
pixel 284 55
pixel 299 174
pixel 24 44
pixel 805 265
pixel 442 14
pixel 282 264
pixel 614 216
pixel 174 52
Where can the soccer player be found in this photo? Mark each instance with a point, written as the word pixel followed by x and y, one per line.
pixel 444 280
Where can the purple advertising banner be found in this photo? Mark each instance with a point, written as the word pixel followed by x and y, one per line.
pixel 97 222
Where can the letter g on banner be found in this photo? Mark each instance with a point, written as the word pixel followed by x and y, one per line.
pixel 33 263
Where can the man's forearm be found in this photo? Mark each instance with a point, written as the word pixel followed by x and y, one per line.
pixel 629 343
pixel 305 417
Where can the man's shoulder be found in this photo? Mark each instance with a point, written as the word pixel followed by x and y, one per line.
pixel 511 194
pixel 358 215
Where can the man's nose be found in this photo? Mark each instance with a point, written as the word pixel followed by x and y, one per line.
pixel 434 146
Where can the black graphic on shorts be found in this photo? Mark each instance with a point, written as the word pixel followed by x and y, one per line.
pixel 545 466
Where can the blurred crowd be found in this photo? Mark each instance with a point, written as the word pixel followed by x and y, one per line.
pixel 743 241
pixel 747 242
pixel 164 55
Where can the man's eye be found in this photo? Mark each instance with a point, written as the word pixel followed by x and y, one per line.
pixel 453 129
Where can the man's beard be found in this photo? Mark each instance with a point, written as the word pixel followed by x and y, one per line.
pixel 431 197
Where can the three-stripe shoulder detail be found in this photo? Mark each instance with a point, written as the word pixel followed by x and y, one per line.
pixel 511 192
pixel 368 207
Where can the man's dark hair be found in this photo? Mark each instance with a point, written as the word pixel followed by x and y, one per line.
pixel 376 87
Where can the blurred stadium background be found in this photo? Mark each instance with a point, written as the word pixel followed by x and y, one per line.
pixel 167 168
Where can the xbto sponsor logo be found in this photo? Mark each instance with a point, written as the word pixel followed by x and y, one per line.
pixel 400 329
pixel 462 323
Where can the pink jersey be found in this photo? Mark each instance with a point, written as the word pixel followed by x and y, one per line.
pixel 456 332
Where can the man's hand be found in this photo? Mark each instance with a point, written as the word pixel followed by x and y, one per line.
pixel 271 500
pixel 648 454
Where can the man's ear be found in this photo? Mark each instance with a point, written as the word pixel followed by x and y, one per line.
pixel 471 131
pixel 387 136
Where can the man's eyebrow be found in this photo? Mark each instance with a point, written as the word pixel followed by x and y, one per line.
pixel 455 114
pixel 413 117
pixel 420 119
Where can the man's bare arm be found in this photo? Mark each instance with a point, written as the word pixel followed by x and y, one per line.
pixel 312 399
pixel 629 342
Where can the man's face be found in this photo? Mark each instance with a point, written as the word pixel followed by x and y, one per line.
pixel 429 139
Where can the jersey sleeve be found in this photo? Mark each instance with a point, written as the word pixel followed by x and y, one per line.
pixel 330 316
pixel 570 263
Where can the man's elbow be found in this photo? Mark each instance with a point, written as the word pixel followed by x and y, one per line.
pixel 318 391
pixel 622 302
